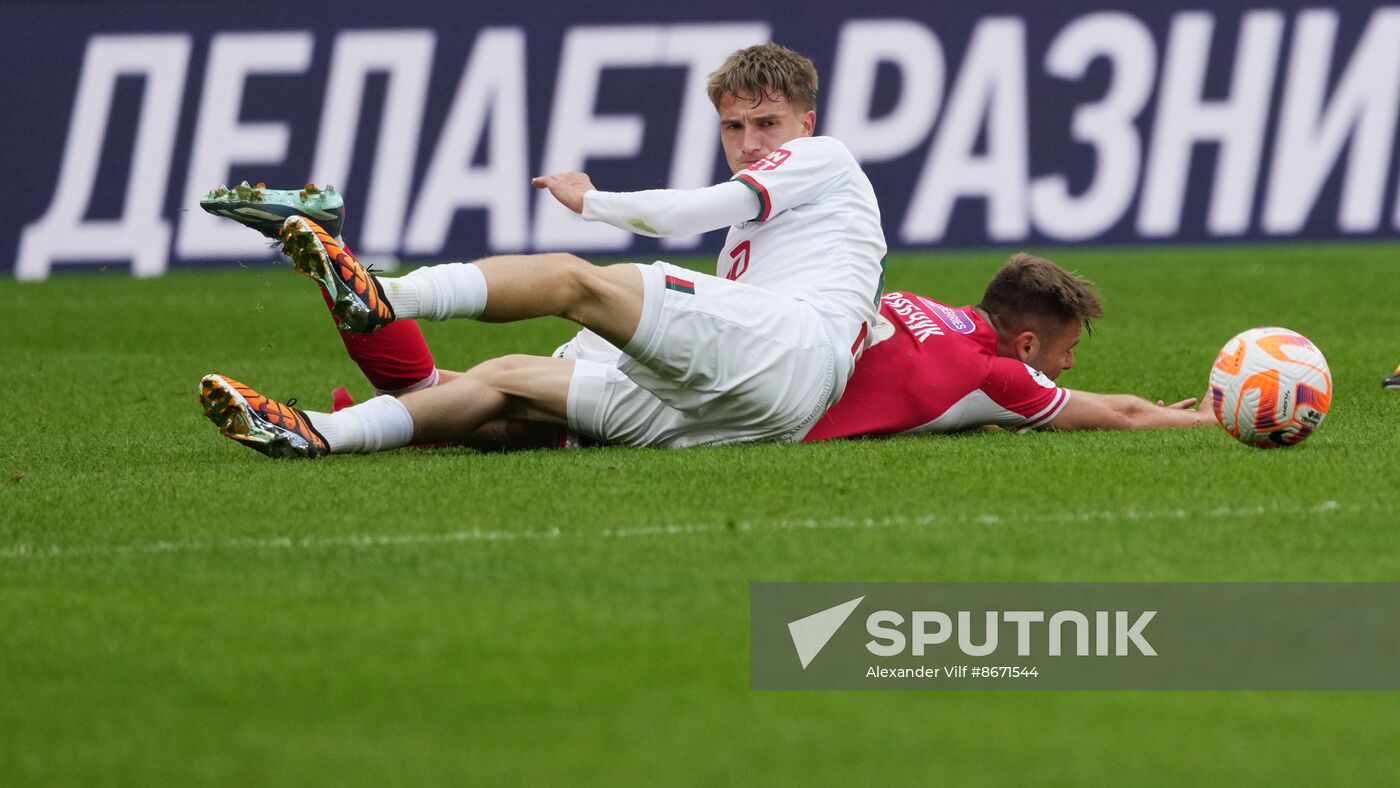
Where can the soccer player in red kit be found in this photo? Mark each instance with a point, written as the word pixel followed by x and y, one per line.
pixel 945 369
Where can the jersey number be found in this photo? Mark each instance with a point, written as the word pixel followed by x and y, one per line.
pixel 740 256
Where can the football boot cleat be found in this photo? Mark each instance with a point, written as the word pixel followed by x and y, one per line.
pixel 242 414
pixel 265 209
pixel 358 301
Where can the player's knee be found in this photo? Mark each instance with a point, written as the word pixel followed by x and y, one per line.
pixel 567 271
pixel 498 372
pixel 529 387
pixel 585 285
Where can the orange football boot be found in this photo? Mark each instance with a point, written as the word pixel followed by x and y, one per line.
pixel 358 301
pixel 242 414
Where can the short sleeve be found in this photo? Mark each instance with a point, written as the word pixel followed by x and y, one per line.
pixel 1024 391
pixel 798 173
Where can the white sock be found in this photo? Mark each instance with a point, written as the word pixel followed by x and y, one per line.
pixel 438 292
pixel 378 424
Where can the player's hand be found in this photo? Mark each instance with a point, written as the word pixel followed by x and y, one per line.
pixel 1207 410
pixel 567 187
pixel 1186 404
pixel 1204 415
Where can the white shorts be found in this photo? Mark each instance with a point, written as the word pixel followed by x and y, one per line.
pixel 713 361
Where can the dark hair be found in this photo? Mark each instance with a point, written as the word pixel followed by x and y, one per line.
pixel 1028 287
pixel 766 71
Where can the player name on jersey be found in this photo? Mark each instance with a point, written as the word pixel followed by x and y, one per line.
pixel 920 323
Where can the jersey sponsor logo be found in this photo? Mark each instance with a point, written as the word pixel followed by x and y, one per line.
pixel 740 256
pixel 956 319
pixel 772 161
pixel 919 323
pixel 1040 378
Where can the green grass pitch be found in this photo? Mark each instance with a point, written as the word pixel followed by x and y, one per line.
pixel 177 610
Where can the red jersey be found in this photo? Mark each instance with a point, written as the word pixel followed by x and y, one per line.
pixel 939 372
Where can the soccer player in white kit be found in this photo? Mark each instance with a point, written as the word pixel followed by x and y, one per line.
pixel 668 357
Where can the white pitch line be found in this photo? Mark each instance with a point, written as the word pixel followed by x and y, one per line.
pixel 478 535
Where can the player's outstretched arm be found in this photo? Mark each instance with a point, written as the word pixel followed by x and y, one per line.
pixel 655 212
pixel 1089 411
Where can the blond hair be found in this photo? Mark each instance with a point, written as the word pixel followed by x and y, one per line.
pixel 766 71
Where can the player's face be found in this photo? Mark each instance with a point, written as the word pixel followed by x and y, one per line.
pixel 1053 351
pixel 750 131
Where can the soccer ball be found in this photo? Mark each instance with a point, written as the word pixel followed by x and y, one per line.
pixel 1270 387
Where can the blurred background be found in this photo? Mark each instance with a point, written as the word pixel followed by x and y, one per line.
pixel 1013 123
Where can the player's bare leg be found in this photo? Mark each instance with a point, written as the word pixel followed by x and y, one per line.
pixel 471 409
pixel 605 299
pixel 465 410
pixel 529 388
pixel 499 435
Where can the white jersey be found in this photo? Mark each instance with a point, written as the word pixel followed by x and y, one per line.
pixel 817 236
pixel 760 350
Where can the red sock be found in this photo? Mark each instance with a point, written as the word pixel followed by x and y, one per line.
pixel 341 399
pixel 393 358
